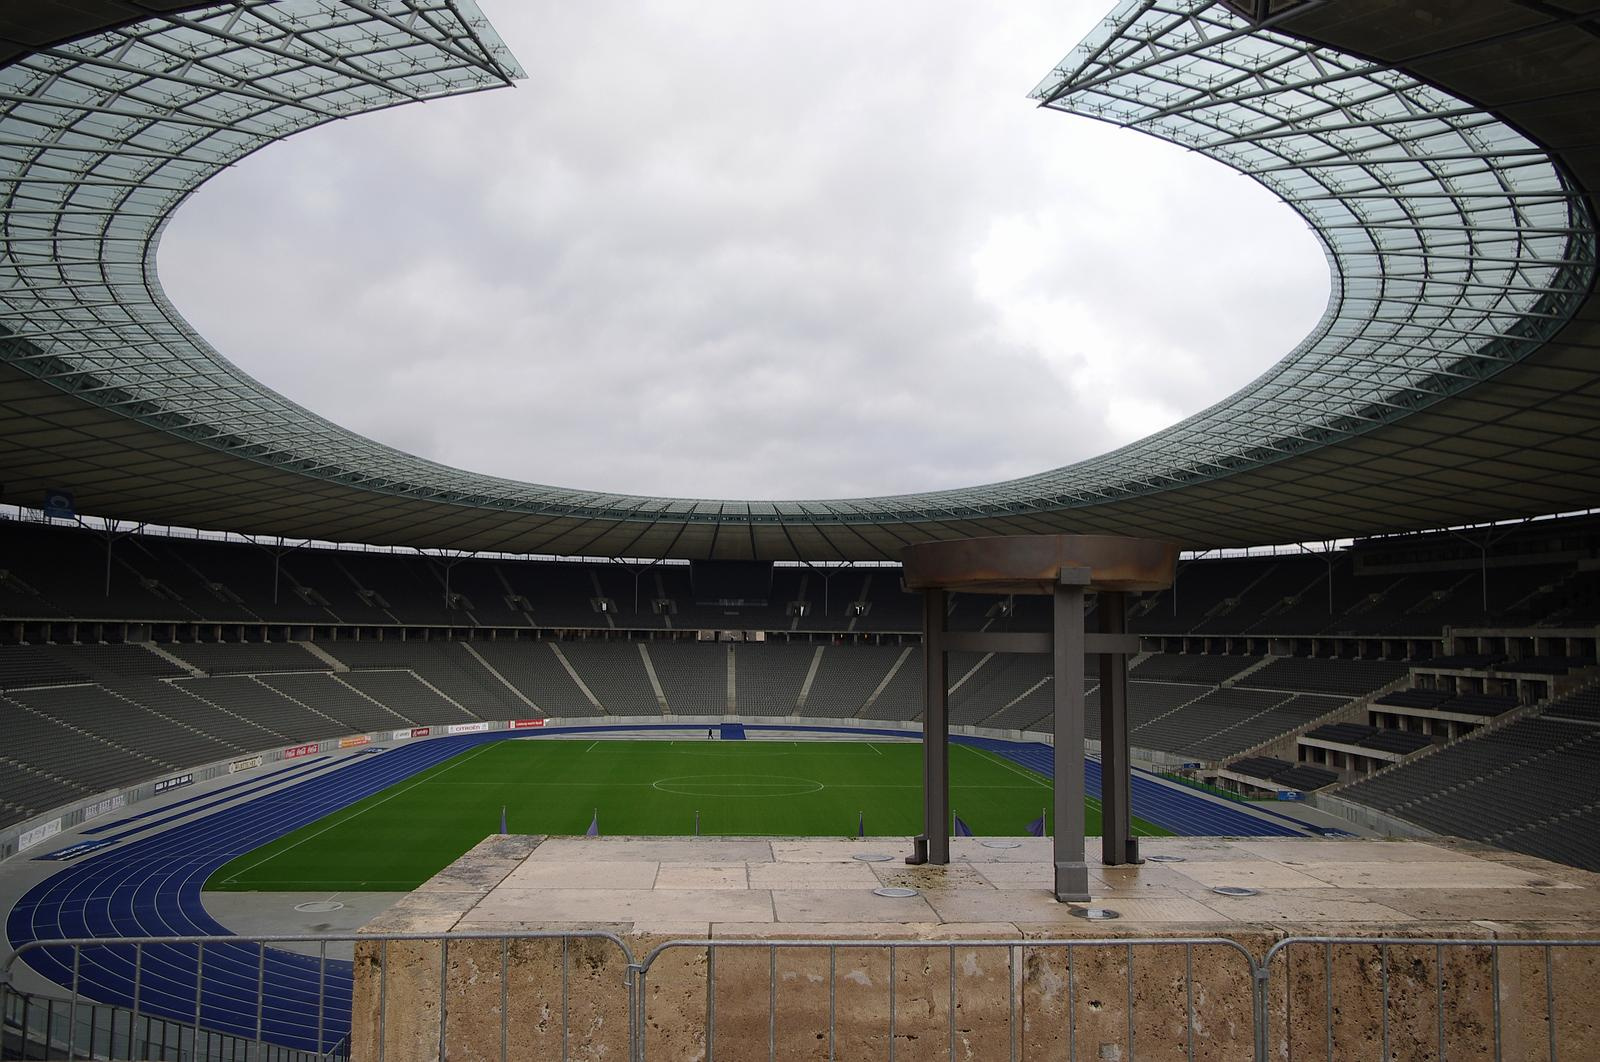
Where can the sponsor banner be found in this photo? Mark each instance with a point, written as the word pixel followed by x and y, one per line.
pixel 302 750
pixel 59 504
pixel 38 835
pixel 354 742
pixel 110 803
pixel 466 728
pixel 248 763
pixel 526 724
pixel 73 851
pixel 1291 794
pixel 400 735
pixel 1191 765
pixel 421 731
pixel 178 782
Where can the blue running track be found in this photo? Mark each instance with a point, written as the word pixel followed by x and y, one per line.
pixel 150 887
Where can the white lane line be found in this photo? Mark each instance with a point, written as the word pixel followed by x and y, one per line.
pixel 461 760
pixel 1008 765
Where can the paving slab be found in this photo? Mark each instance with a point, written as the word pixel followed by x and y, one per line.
pixel 621 905
pixel 796 875
pixel 693 886
pixel 572 874
pixel 654 849
pixel 724 876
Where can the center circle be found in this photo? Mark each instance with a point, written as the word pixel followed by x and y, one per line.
pixel 754 785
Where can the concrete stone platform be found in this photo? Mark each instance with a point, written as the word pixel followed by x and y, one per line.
pixel 982 961
pixel 700 887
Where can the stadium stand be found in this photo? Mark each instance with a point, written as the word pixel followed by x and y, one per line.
pixel 537 672
pixel 1515 786
pixel 128 725
pixel 1001 681
pixel 902 696
pixel 1350 678
pixel 849 674
pixel 1583 704
pixel 614 672
pixel 219 658
pixel 252 700
pixel 693 676
pixel 22 666
pixel 771 676
pixel 336 697
pixel 449 667
pixel 1281 774
pixel 66 751
pixel 408 696
pixel 1193 667
pixel 60 573
pixel 189 709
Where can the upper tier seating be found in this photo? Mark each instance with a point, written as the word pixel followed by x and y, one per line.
pixel 247 658
pixel 1348 678
pixel 60 572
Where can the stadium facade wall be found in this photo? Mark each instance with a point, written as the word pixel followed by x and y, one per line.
pixel 1369 818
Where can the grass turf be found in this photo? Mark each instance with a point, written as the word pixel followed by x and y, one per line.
pixel 398 838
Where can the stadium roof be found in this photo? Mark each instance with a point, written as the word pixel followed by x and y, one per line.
pixel 1442 151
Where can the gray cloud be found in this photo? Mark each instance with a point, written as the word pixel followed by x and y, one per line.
pixel 748 252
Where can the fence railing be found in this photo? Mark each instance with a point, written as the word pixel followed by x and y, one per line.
pixel 36 1026
pixel 582 995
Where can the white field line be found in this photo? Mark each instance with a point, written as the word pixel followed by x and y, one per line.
pixel 481 749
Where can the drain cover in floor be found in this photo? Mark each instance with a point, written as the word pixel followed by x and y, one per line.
pixel 319 906
pixel 892 893
pixel 872 857
pixel 1233 890
pixel 1001 844
pixel 1095 914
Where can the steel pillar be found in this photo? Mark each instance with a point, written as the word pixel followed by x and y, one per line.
pixel 1117 843
pixel 934 844
pixel 1072 874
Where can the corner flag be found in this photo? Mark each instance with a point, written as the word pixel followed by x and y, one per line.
pixel 1036 827
pixel 502 818
pixel 861 824
pixel 594 825
pixel 962 829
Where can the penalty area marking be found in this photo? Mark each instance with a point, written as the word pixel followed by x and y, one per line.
pixel 761 785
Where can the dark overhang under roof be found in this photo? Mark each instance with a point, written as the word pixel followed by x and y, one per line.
pixel 1522 440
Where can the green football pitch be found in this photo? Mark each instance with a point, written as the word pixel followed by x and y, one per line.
pixel 397 839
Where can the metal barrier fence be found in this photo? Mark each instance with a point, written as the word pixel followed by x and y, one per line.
pixel 580 995
pixel 43 1027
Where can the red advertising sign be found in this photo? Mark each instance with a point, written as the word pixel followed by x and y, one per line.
pixel 421 731
pixel 302 750
pixel 526 724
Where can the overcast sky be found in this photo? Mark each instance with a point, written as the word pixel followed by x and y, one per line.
pixel 749 250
